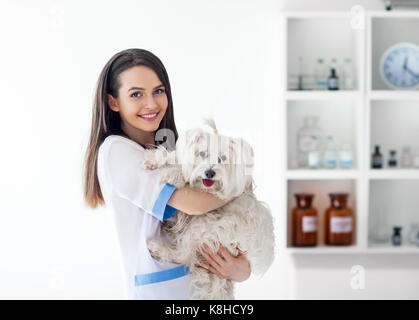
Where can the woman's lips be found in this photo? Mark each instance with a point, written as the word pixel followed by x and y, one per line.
pixel 208 182
pixel 149 116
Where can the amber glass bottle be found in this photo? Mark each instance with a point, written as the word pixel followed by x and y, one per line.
pixel 339 221
pixel 304 221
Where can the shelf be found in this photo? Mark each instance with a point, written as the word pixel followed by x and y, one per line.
pixel 393 174
pixel 321 174
pixel 388 248
pixel 322 95
pixel 317 14
pixel 325 250
pixel 384 34
pixel 323 35
pixel 376 249
pixel 393 14
pixel 372 114
pixel 394 95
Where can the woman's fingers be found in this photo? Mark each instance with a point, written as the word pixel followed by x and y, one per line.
pixel 210 268
pixel 240 251
pixel 213 258
pixel 225 253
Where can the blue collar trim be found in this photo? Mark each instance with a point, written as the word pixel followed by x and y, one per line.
pixel 165 275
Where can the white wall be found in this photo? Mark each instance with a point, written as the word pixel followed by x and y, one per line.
pixel 223 59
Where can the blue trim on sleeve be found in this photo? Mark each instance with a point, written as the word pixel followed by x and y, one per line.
pixel 161 210
pixel 165 275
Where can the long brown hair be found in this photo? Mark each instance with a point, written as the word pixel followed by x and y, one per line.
pixel 107 122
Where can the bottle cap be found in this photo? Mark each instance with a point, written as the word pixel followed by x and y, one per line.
pixel 397 229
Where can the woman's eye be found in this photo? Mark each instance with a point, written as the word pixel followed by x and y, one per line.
pixel 159 91
pixel 134 95
pixel 203 154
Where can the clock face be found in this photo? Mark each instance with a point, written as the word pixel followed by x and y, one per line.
pixel 399 66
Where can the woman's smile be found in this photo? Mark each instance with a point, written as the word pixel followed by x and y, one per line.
pixel 149 116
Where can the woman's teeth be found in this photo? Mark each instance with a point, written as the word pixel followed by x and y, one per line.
pixel 150 116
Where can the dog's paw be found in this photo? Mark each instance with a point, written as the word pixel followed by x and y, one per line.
pixel 150 164
pixel 149 160
pixel 174 176
pixel 154 247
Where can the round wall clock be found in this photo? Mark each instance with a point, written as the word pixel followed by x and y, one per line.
pixel 399 66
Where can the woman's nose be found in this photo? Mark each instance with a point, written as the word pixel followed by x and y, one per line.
pixel 209 173
pixel 150 102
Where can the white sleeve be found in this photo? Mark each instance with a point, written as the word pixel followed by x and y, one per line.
pixel 129 180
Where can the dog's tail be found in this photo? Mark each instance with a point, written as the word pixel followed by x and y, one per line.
pixel 211 122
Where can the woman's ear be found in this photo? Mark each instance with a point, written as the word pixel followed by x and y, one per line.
pixel 113 104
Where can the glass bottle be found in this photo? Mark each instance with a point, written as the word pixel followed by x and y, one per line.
pixel 339 221
pixel 304 221
pixel 346 159
pixel 306 143
pixel 416 158
pixel 392 161
pixel 397 237
pixel 321 75
pixel 334 65
pixel 406 158
pixel 330 153
pixel 379 231
pixel 348 75
pixel 377 158
pixel 300 74
pixel 314 154
pixel 413 233
pixel 333 80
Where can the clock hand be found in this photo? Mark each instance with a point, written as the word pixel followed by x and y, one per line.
pixel 405 64
pixel 416 75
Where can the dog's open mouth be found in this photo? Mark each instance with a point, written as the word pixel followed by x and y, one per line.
pixel 208 182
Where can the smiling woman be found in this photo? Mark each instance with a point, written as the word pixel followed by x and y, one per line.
pixel 133 102
pixel 139 107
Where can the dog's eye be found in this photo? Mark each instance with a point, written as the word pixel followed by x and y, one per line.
pixel 203 154
pixel 222 158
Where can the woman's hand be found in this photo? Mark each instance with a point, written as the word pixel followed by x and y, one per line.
pixel 225 265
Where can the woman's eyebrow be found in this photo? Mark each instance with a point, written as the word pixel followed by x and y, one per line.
pixel 138 88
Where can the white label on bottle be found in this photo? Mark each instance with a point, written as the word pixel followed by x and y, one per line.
pixel 309 224
pixel 341 224
pixel 333 83
pixel 313 159
pixel 345 159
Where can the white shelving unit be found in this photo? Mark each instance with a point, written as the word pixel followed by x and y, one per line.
pixel 362 116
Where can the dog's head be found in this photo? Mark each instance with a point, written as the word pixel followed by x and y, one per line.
pixel 215 163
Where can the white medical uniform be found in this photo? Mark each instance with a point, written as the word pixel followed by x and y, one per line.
pixel 139 202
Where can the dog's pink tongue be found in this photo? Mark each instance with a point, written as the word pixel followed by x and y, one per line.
pixel 208 182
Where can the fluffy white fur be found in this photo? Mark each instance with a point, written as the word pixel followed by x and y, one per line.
pixel 244 222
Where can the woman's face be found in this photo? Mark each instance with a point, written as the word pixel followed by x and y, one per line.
pixel 142 99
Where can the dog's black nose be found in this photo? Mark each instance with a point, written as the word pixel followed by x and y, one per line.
pixel 209 173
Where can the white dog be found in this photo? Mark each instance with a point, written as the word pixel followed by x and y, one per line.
pixel 219 165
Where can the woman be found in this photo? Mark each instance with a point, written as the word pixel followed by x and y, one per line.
pixel 133 101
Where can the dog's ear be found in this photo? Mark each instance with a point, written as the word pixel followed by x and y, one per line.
pixel 186 141
pixel 248 158
pixel 242 151
pixel 196 135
